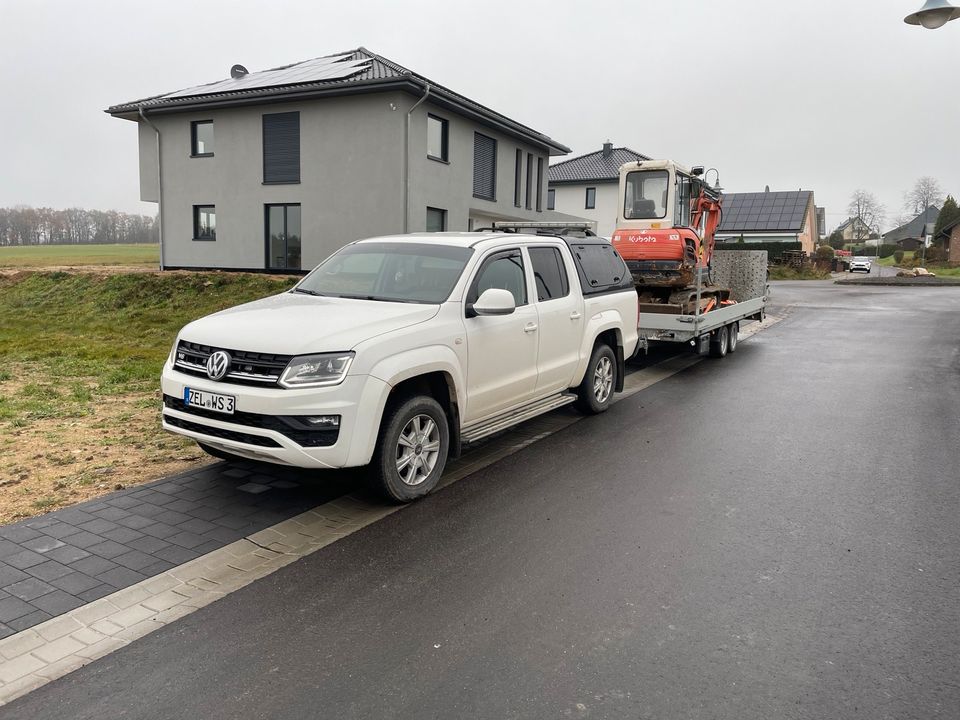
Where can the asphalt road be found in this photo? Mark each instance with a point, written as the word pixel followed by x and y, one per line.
pixel 773 535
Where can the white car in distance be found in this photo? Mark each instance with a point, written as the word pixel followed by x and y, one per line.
pixel 859 264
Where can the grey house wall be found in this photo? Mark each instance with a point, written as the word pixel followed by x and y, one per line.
pixel 351 177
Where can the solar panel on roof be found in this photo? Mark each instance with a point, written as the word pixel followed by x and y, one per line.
pixel 337 67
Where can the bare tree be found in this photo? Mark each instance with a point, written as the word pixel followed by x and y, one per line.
pixel 865 207
pixel 926 192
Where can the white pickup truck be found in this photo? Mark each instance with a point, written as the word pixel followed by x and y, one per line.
pixel 396 350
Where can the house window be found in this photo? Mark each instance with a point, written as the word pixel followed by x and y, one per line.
pixel 529 180
pixel 484 167
pixel 283 237
pixel 436 138
pixel 201 138
pixel 539 184
pixel 204 222
pixel 591 200
pixel 436 220
pixel 281 148
pixel 517 174
pixel 551 199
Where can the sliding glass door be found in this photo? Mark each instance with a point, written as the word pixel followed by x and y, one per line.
pixel 283 237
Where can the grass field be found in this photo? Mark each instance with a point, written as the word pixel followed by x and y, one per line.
pixel 62 255
pixel 80 358
pixel 890 262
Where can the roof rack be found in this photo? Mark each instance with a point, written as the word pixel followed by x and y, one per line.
pixel 562 229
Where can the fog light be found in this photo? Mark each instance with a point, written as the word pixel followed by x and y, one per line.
pixel 323 421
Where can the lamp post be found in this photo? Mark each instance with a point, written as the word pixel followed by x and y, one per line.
pixel 933 14
pixel 879 242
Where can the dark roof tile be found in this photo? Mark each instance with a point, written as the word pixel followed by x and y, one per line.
pixel 593 166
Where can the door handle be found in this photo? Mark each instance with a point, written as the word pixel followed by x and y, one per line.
pixel 575 315
pixel 530 327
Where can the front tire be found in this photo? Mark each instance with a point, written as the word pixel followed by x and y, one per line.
pixel 412 449
pixel 595 393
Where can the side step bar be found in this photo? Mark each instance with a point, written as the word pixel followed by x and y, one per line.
pixel 509 419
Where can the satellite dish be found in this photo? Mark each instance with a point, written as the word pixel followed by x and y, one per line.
pixel 238 71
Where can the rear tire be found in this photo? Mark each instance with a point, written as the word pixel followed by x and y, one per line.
pixel 734 336
pixel 595 393
pixel 720 343
pixel 412 449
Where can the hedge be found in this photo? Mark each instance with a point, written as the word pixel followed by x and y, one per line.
pixel 774 249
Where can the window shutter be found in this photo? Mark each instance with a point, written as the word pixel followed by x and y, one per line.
pixel 484 167
pixel 281 148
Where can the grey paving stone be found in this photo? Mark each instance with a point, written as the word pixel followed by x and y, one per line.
pixel 208 546
pixel 197 526
pixel 112 513
pixel 236 473
pixel 160 530
pixel 75 582
pixel 19 533
pixel 182 505
pixel 6 631
pixel 61 530
pixel 8 548
pixel 43 544
pixel 232 522
pixel 29 589
pixel 24 559
pixel 176 554
pixel 207 513
pixel 67 554
pixel 43 521
pixel 50 570
pixel 124 501
pixel 11 608
pixel 135 522
pixel 148 544
pixel 122 535
pixel 171 517
pixel 223 535
pixel 254 488
pixel 108 549
pixel 148 510
pixel 98 526
pixel 10 575
pixel 85 539
pixel 121 577
pixel 28 621
pixel 135 560
pixel 96 593
pixel 186 539
pixel 93 565
pixel 58 602
pixel 158 567
pixel 74 516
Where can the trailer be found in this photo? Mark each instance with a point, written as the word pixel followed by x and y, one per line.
pixel 744 273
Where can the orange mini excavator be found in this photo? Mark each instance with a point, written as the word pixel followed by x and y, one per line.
pixel 665 233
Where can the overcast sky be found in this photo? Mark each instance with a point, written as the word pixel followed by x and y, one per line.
pixel 828 95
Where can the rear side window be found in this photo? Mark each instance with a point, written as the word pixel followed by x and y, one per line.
pixel 549 273
pixel 601 268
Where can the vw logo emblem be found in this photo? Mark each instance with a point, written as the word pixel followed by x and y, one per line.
pixel 217 365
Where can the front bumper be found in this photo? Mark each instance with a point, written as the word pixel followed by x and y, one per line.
pixel 264 427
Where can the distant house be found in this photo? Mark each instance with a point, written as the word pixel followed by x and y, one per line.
pixel 587 186
pixel 910 236
pixel 770 217
pixel 275 170
pixel 854 230
pixel 951 240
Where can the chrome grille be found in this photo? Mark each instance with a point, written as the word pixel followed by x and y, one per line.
pixel 246 368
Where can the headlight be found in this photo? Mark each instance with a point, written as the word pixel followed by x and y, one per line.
pixel 316 370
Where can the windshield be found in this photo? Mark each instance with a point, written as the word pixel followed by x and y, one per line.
pixel 646 195
pixel 394 272
pixel 861 259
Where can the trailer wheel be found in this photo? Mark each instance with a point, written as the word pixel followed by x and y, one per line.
pixel 734 336
pixel 720 343
pixel 596 390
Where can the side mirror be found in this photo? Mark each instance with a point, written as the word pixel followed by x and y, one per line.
pixel 494 302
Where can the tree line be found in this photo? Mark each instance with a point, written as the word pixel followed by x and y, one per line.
pixel 24 225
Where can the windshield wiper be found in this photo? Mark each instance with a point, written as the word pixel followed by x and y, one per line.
pixel 378 299
pixel 305 291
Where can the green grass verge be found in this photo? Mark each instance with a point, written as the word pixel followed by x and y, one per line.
pixel 77 336
pixel 53 255
pixel 890 262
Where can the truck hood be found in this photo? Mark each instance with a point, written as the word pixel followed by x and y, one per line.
pixel 296 324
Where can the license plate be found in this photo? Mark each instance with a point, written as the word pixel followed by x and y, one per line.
pixel 209 401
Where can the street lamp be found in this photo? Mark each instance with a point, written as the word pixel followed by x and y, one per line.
pixel 933 14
